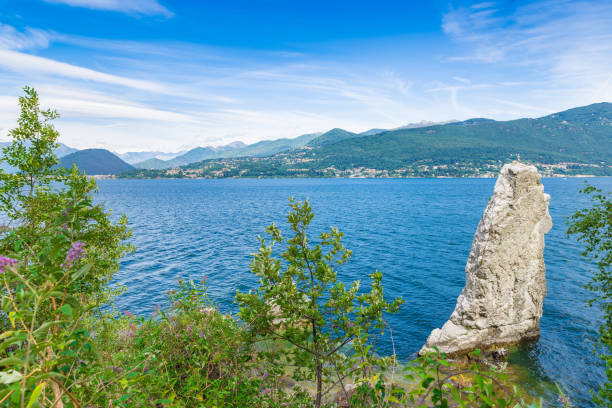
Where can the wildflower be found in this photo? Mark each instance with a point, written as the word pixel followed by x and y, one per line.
pixel 128 313
pixel 76 252
pixel 565 401
pixel 5 261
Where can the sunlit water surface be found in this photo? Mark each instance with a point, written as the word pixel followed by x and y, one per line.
pixel 418 232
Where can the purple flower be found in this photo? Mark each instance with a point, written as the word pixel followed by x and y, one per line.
pixel 565 401
pixel 5 261
pixel 76 252
pixel 128 313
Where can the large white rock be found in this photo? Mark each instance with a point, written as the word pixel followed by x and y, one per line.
pixel 505 281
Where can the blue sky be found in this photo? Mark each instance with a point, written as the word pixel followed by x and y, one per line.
pixel 166 74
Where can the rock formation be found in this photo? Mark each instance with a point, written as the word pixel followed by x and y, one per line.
pixel 505 282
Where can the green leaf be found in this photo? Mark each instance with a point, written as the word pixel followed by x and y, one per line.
pixel 6 334
pixel 45 325
pixel 11 361
pixel 66 310
pixel 82 271
pixel 35 394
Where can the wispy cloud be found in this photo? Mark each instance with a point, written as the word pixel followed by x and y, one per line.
pixel 462 80
pixel 145 7
pixel 568 43
pixel 10 38
pixel 21 62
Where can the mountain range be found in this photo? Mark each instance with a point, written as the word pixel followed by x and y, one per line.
pixel 575 141
pixel 235 149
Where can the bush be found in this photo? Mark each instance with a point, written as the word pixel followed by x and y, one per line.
pixel 59 251
pixel 593 227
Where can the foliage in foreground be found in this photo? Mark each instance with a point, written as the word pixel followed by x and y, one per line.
pixel 593 227
pixel 301 301
pixel 58 349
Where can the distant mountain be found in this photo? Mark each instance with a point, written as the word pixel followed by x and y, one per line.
pixel 424 123
pixel 372 132
pixel 95 162
pixel 576 141
pixel 332 136
pixel 153 163
pixel 235 149
pixel 64 150
pixel 268 147
pixel 137 157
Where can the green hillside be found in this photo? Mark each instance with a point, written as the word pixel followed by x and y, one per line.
pixel 95 161
pixel 579 135
pixel 576 141
pixel 333 136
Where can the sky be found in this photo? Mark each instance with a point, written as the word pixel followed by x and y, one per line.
pixel 166 75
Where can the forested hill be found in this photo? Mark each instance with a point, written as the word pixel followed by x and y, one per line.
pixel 577 135
pixel 95 162
pixel 576 141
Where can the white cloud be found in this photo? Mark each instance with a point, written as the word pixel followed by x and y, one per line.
pixel 146 7
pixel 76 108
pixel 567 44
pixel 461 79
pixel 10 38
pixel 21 62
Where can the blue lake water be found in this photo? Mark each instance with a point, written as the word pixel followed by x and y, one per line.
pixel 418 232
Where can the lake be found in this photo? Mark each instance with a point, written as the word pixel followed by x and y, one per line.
pixel 418 232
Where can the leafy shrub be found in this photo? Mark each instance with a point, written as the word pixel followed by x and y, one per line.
pixel 301 301
pixel 593 227
pixel 58 252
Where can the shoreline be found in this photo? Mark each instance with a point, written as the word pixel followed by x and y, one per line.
pixel 113 177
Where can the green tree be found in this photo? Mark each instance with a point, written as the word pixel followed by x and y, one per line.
pixel 301 301
pixel 57 253
pixel 39 194
pixel 593 227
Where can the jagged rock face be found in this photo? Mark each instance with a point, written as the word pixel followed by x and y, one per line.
pixel 505 286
